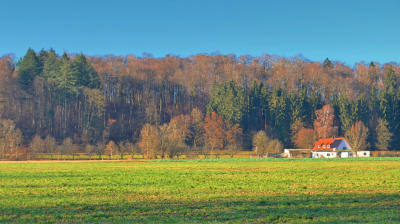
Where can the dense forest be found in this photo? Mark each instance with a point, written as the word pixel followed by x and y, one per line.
pixel 164 106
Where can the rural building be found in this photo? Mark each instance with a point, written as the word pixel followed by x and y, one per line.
pixel 345 154
pixel 327 148
pixel 324 154
pixel 332 148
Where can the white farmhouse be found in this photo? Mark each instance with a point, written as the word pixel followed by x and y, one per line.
pixel 335 147
pixel 327 148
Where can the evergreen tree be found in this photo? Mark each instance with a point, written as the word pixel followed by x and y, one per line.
pixel 84 73
pixel 315 104
pixel 298 106
pixel 258 107
pixel 384 136
pixel 327 63
pixel 280 115
pixel 66 81
pixel 228 101
pixel 390 102
pixel 344 112
pixel 350 111
pixel 28 68
pixel 51 65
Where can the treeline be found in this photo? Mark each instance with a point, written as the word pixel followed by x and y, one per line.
pixel 91 101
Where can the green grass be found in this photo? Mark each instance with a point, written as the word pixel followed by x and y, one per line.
pixel 202 191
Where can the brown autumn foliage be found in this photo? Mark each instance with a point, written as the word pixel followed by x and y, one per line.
pixel 149 141
pixel 138 90
pixel 196 129
pixel 234 138
pixel 10 138
pixel 263 145
pixel 295 128
pixel 323 124
pixel 175 135
pixel 111 149
pixel 357 136
pixel 274 146
pixel 305 138
pixel 214 132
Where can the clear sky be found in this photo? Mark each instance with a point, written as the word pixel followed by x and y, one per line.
pixel 345 30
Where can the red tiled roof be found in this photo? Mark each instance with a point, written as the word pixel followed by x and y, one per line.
pixel 325 141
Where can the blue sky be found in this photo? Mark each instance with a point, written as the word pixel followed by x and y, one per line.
pixel 349 31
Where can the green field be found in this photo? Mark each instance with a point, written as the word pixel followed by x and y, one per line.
pixel 217 191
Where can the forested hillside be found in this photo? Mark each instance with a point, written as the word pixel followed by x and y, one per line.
pixel 167 105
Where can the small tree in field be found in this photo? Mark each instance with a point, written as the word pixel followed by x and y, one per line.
pixel 129 148
pixel 123 149
pixel 65 148
pixel 196 129
pixel 50 145
pixel 37 144
pixel 10 138
pixel 90 150
pixel 260 143
pixel 357 136
pixel 99 149
pixel 111 149
pixel 234 139
pixel 214 131
pixel 174 135
pixel 274 146
pixel 75 149
pixel 149 141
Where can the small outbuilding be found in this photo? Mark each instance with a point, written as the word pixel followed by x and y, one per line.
pixel 297 153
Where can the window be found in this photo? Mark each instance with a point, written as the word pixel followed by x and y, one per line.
pixel 319 146
pixel 365 153
pixel 344 148
pixel 323 146
pixel 328 146
pixel 328 154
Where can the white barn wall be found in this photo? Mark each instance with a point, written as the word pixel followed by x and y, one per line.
pixel 328 154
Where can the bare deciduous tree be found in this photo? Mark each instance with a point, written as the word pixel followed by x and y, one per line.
pixel 357 136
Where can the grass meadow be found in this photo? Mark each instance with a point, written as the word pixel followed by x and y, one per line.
pixel 202 191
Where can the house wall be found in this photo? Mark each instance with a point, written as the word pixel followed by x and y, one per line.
pixel 319 154
pixel 345 154
pixel 363 154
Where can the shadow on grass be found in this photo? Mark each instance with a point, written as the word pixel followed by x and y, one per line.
pixel 360 208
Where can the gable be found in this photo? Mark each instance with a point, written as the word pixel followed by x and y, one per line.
pixel 344 145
